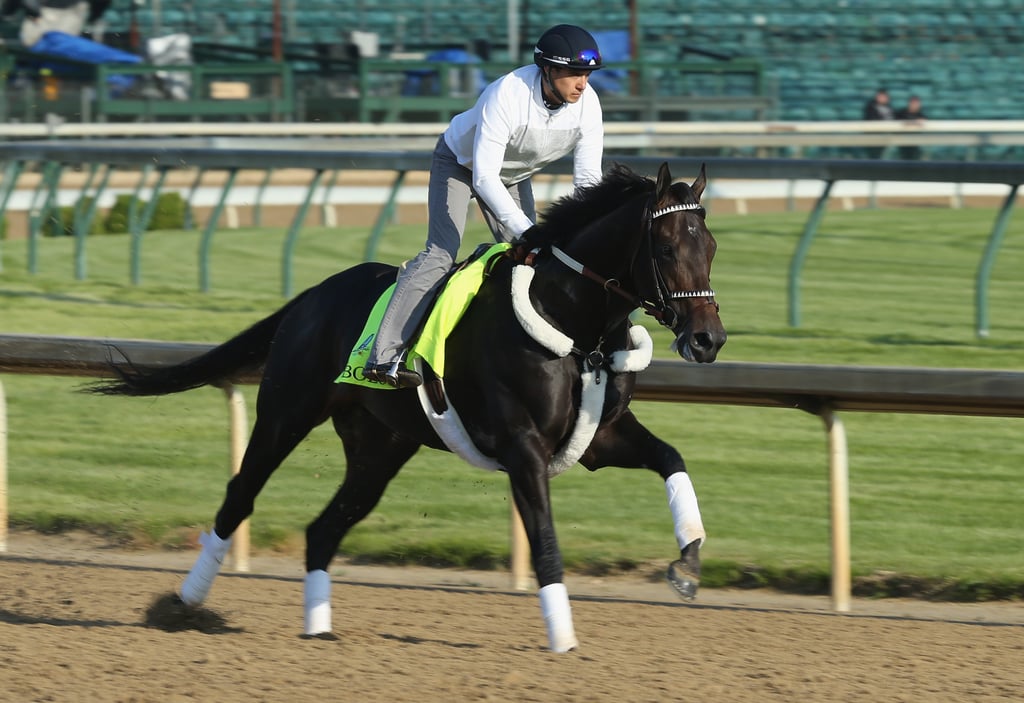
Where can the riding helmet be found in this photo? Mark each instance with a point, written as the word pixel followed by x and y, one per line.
pixel 567 46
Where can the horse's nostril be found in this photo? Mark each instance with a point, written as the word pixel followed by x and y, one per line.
pixel 702 340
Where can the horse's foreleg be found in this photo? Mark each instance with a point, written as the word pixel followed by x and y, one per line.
pixel 530 492
pixel 374 454
pixel 627 443
pixel 684 573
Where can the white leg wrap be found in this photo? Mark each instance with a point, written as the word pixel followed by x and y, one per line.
pixel 554 604
pixel 682 501
pixel 317 601
pixel 199 580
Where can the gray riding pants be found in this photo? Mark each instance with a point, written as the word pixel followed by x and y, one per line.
pixel 448 195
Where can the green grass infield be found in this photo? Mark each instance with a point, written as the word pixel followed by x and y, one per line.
pixel 935 500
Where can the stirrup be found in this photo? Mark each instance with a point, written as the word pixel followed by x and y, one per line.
pixel 400 376
pixel 375 373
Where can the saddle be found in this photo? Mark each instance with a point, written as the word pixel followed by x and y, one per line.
pixel 454 295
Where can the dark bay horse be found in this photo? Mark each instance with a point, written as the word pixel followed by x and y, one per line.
pixel 541 369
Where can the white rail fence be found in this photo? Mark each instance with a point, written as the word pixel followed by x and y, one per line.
pixel 970 134
pixel 820 390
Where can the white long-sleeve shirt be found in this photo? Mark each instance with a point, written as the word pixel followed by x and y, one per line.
pixel 509 135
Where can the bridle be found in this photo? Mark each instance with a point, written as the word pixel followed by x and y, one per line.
pixel 661 309
pixel 658 308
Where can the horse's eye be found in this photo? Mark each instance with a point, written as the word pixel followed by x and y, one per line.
pixel 666 251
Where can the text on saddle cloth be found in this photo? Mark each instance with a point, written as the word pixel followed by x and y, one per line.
pixel 458 293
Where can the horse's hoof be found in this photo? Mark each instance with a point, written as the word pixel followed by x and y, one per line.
pixel 683 579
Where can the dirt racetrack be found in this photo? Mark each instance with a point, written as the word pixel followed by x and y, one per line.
pixel 73 627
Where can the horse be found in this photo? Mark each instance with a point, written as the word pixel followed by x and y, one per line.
pixel 540 368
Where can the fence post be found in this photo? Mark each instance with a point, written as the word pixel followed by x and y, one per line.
pixel 386 213
pixel 11 173
pixel 139 223
pixel 293 235
pixel 3 470
pixel 520 550
pixel 38 212
pixel 995 240
pixel 796 264
pixel 239 428
pixel 839 500
pixel 83 217
pixel 257 206
pixel 211 225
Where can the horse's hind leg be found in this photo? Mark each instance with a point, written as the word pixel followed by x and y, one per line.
pixel 374 454
pixel 273 438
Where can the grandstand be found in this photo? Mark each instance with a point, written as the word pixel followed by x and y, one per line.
pixel 821 58
pixel 812 60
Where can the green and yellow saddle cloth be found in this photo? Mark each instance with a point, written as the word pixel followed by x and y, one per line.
pixel 453 301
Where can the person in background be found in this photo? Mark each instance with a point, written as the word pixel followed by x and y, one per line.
pixel 522 121
pixel 878 108
pixel 914 114
pixel 42 16
pixel 54 28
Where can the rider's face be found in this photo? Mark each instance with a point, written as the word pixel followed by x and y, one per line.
pixel 569 82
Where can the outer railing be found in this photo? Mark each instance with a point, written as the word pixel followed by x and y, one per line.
pixel 321 158
pixel 821 390
pixel 762 134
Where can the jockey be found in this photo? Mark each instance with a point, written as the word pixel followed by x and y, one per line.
pixel 522 121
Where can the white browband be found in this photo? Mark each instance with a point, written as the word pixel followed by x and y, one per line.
pixel 693 294
pixel 676 208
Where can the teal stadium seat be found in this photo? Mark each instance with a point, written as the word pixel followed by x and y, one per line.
pixel 962 56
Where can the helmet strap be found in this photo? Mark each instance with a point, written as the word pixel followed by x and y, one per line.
pixel 546 73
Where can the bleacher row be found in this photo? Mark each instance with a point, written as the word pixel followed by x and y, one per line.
pixel 822 58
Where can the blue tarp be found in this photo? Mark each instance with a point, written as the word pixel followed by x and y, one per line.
pixel 85 50
pixel 81 49
pixel 424 81
pixel 614 46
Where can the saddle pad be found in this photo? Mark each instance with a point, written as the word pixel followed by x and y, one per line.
pixel 447 311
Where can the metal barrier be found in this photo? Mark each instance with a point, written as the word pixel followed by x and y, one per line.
pixel 232 156
pixel 210 90
pixel 391 90
pixel 395 89
pixel 820 390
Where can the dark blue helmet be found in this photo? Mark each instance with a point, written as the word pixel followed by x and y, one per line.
pixel 568 46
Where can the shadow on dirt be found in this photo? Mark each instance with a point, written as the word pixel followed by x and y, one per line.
pixel 170 614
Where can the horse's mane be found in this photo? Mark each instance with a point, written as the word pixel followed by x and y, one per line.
pixel 571 213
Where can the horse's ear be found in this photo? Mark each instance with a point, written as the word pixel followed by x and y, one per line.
pixel 664 182
pixel 699 184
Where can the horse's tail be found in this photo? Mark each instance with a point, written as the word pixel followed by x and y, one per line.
pixel 244 353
